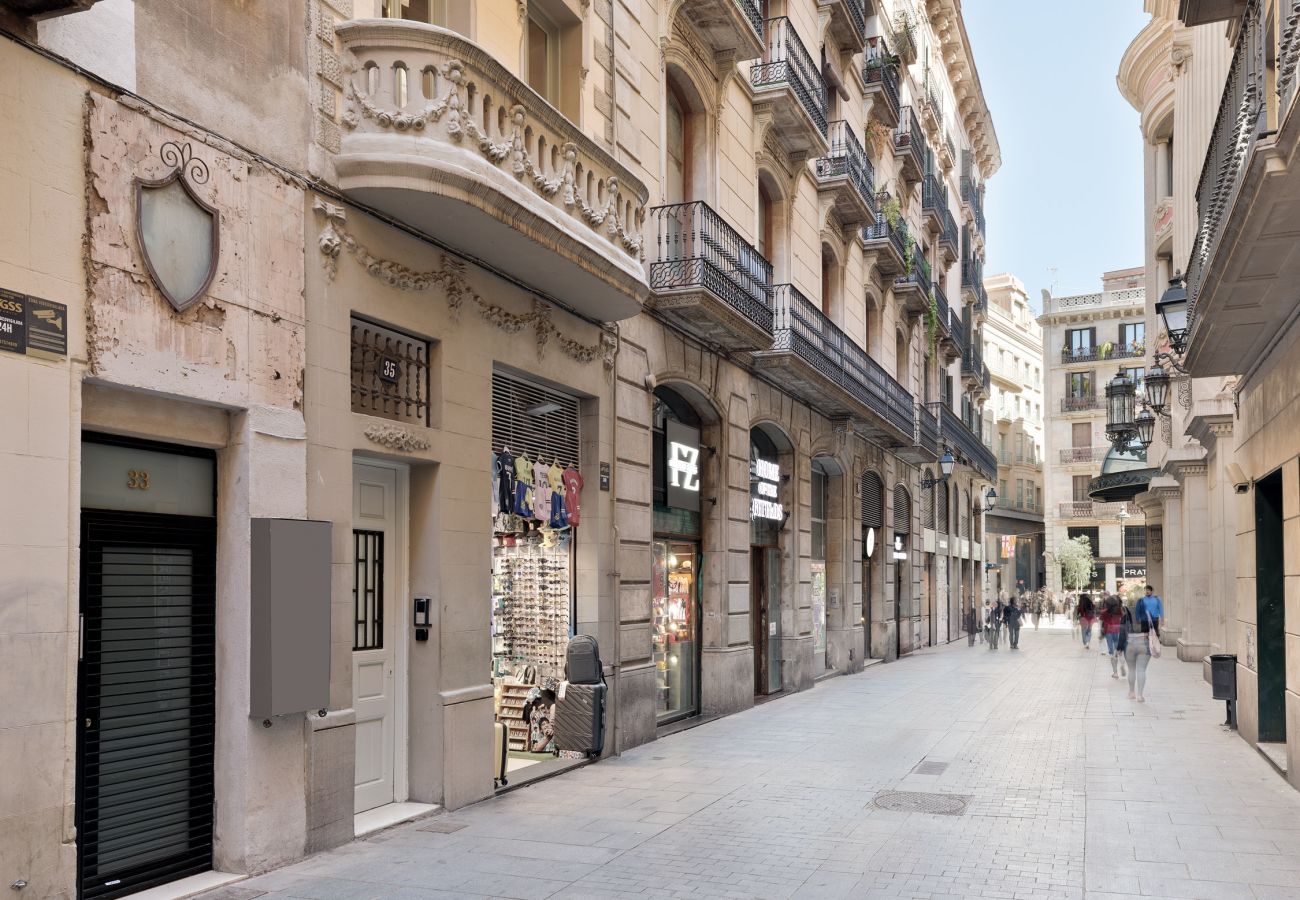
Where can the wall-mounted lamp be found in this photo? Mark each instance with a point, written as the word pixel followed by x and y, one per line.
pixel 946 463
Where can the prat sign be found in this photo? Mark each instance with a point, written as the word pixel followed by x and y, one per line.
pixel 765 480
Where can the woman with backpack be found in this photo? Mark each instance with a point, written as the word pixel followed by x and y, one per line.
pixel 1142 632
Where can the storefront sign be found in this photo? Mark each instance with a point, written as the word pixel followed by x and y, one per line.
pixel 683 462
pixel 32 325
pixel 900 546
pixel 871 542
pixel 1135 571
pixel 765 484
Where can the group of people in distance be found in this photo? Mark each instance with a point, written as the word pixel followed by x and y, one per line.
pixel 1131 633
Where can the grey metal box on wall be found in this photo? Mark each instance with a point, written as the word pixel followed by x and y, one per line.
pixel 289 612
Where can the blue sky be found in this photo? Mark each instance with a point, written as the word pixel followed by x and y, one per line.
pixel 1069 193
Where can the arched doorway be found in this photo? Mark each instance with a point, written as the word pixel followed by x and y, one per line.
pixel 676 580
pixel 871 495
pixel 770 455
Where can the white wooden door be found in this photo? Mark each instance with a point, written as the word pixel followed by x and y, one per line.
pixel 376 552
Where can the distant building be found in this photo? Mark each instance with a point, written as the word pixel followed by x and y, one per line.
pixel 1013 429
pixel 1086 339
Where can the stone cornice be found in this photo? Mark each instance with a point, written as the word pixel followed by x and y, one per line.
pixel 1210 420
pixel 1145 71
pixel 965 80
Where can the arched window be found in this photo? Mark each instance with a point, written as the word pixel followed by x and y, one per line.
pixel 871 491
pixel 687 134
pixel 766 221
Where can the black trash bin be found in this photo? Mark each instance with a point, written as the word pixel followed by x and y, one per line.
pixel 1223 676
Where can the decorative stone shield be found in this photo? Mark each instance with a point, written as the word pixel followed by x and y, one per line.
pixel 179 233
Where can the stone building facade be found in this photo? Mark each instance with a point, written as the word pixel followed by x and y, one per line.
pixel 1234 454
pixel 1013 429
pixel 287 303
pixel 1086 337
pixel 1173 75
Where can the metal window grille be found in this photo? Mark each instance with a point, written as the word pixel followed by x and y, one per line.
pixel 927 502
pixel 1135 541
pixel 534 420
pixel 943 506
pixel 368 590
pixel 390 373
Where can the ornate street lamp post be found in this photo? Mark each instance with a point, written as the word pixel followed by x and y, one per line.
pixel 1121 415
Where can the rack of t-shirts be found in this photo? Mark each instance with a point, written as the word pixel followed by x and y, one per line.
pixel 529 492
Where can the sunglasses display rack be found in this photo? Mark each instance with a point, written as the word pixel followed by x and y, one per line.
pixel 531 601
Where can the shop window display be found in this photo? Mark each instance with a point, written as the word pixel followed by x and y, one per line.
pixel 674 619
pixel 536 512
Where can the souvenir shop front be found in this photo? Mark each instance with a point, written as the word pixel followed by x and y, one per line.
pixel 537 514
pixel 676 562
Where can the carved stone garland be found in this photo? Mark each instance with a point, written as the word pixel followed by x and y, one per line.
pixel 451 277
pixel 395 438
pixel 460 123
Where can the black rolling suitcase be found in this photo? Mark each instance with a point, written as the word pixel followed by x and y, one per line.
pixel 582 661
pixel 580 718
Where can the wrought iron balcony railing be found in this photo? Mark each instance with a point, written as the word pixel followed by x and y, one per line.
pixel 909 142
pixel 966 444
pixel 1241 118
pixel 918 273
pixel 959 332
pixel 695 247
pixel 927 430
pixel 785 60
pixel 972 273
pixel 880 72
pixel 972 195
pixel 753 14
pixel 1102 352
pixel 950 236
pixel 1080 404
pixel 847 158
pixel 934 196
pixel 1071 455
pixel 941 304
pixel 803 329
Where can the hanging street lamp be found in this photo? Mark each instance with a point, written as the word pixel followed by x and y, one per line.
pixel 946 464
pixel 1121 413
pixel 1146 426
pixel 1157 387
pixel 1172 309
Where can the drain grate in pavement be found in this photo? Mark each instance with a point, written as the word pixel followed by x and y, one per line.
pixel 914 801
pixel 930 768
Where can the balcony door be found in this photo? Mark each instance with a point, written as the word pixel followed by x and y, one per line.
pixel 1079 385
pixel 1081 435
pixel 675 179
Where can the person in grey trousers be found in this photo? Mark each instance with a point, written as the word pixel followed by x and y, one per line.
pixel 1139 622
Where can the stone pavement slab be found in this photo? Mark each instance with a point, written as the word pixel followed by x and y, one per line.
pixel 1071 791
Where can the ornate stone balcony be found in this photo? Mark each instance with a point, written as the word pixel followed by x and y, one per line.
pixel 845 175
pixel 934 204
pixel 788 88
pixel 823 366
pixel 912 286
pixel 880 74
pixel 885 245
pixel 848 22
pixel 910 147
pixel 728 25
pixel 708 279
pixel 439 135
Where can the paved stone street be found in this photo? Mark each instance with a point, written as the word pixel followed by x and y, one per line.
pixel 1072 791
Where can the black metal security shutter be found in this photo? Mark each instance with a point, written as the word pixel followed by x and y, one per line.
pixel 534 420
pixel 902 510
pixel 146 700
pixel 872 490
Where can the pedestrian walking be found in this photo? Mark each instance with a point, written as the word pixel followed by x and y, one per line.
pixel 1087 613
pixel 1011 615
pixel 1143 637
pixel 971 622
pixel 1038 609
pixel 1112 624
pixel 993 622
